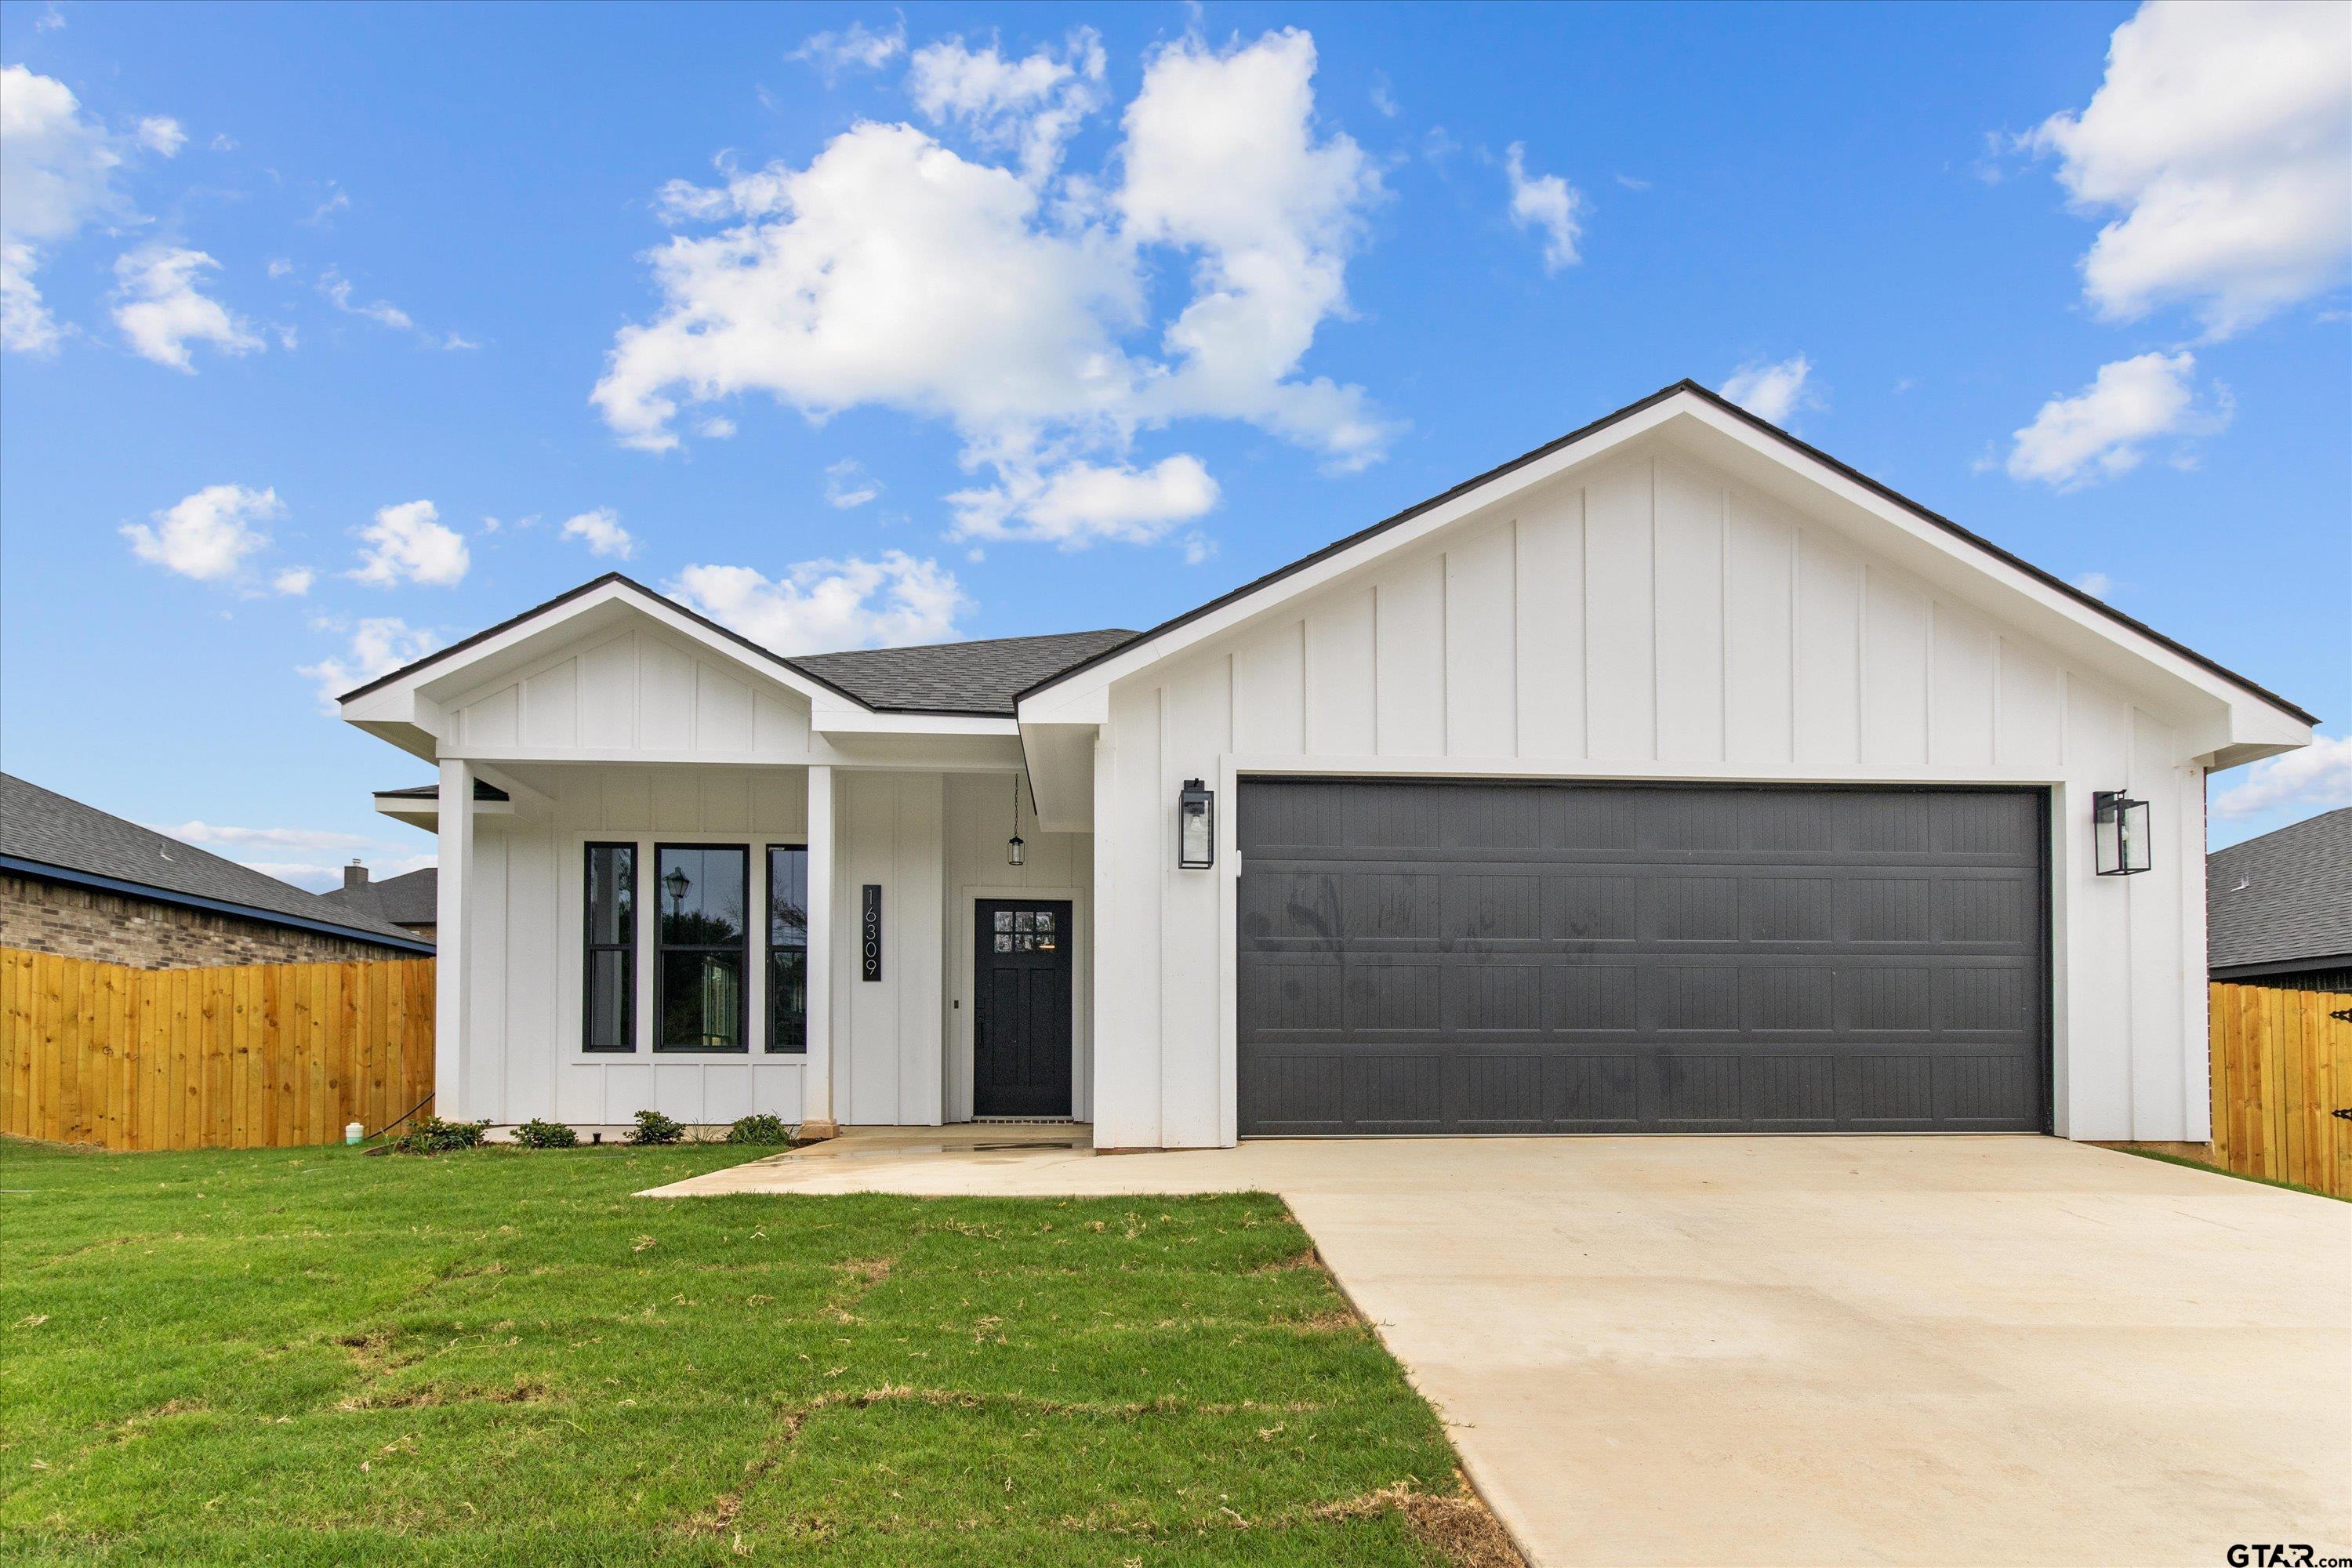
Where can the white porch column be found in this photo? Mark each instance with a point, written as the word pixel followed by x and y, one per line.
pixel 451 973
pixel 817 1079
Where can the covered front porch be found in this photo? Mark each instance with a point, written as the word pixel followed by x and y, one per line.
pixel 832 944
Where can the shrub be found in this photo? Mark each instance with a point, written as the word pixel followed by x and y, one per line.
pixel 430 1135
pixel 653 1127
pixel 538 1134
pixel 759 1130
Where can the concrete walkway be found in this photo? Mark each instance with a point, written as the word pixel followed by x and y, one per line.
pixel 1798 1350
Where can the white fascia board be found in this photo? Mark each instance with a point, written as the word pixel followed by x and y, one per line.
pixel 415 699
pixel 1065 699
pixel 2179 686
pixel 425 811
pixel 1918 544
pixel 831 715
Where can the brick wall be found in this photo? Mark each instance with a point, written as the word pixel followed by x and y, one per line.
pixel 83 922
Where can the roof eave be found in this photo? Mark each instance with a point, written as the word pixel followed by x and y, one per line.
pixel 1624 422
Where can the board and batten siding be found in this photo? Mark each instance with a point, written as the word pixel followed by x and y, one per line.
pixel 1650 619
pixel 646 690
pixel 524 935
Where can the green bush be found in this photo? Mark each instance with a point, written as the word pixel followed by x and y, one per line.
pixel 538 1134
pixel 653 1127
pixel 430 1135
pixel 759 1130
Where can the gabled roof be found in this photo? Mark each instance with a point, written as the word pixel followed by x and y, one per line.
pixel 949 678
pixel 958 676
pixel 411 898
pixel 47 834
pixel 1685 388
pixel 2281 898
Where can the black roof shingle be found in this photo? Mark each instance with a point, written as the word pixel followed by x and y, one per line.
pixel 41 829
pixel 977 678
pixel 2283 897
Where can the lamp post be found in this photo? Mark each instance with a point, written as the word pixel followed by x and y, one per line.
pixel 676 884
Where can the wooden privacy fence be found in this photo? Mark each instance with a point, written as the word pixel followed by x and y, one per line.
pixel 254 1056
pixel 2281 1066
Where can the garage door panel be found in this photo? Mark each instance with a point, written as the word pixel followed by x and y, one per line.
pixel 1481 957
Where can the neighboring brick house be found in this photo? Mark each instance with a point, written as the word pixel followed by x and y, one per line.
pixel 411 901
pixel 2278 908
pixel 77 881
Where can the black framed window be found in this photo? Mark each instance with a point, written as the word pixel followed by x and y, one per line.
pixel 701 895
pixel 787 947
pixel 608 1014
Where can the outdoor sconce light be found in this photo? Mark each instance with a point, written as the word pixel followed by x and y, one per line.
pixel 2120 836
pixel 1196 826
pixel 677 882
pixel 1013 845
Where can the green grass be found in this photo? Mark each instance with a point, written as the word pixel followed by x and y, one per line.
pixel 310 1357
pixel 2224 1171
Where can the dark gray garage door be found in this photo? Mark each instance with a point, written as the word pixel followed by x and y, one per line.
pixel 1449 957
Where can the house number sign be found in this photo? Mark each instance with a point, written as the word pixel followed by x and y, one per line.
pixel 869 936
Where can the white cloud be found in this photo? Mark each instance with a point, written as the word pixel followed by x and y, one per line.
pixel 162 133
pixel 57 173
pixel 2219 138
pixel 2103 430
pixel 378 645
pixel 455 341
pixel 228 840
pixel 898 272
pixel 2098 585
pixel 162 310
pixel 1031 105
pixel 718 428
pixel 308 857
pixel 602 532
pixel 823 605
pixel 1222 162
pixel 384 313
pixel 1383 99
pixel 2316 778
pixel 1547 202
pixel 847 484
pixel 209 534
pixel 340 202
pixel 1770 391
pixel 408 544
pixel 293 581
pixel 856 45
pixel 1082 502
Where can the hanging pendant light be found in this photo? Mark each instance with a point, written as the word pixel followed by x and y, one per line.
pixel 1013 845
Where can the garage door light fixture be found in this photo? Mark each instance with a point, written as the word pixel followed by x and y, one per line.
pixel 2120 838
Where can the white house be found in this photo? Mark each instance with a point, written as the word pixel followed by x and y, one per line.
pixel 1670 777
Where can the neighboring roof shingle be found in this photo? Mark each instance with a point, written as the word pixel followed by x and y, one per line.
pixel 45 828
pixel 2285 896
pixel 978 677
pixel 413 898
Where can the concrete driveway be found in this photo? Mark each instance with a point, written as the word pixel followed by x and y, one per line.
pixel 1800 1350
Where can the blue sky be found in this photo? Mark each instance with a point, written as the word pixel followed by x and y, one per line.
pixel 979 320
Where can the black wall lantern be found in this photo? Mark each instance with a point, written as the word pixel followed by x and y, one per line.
pixel 1196 826
pixel 2120 840
pixel 1013 845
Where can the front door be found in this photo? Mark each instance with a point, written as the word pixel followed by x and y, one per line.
pixel 1021 1008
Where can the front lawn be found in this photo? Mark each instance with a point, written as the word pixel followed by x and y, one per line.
pixel 310 1357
